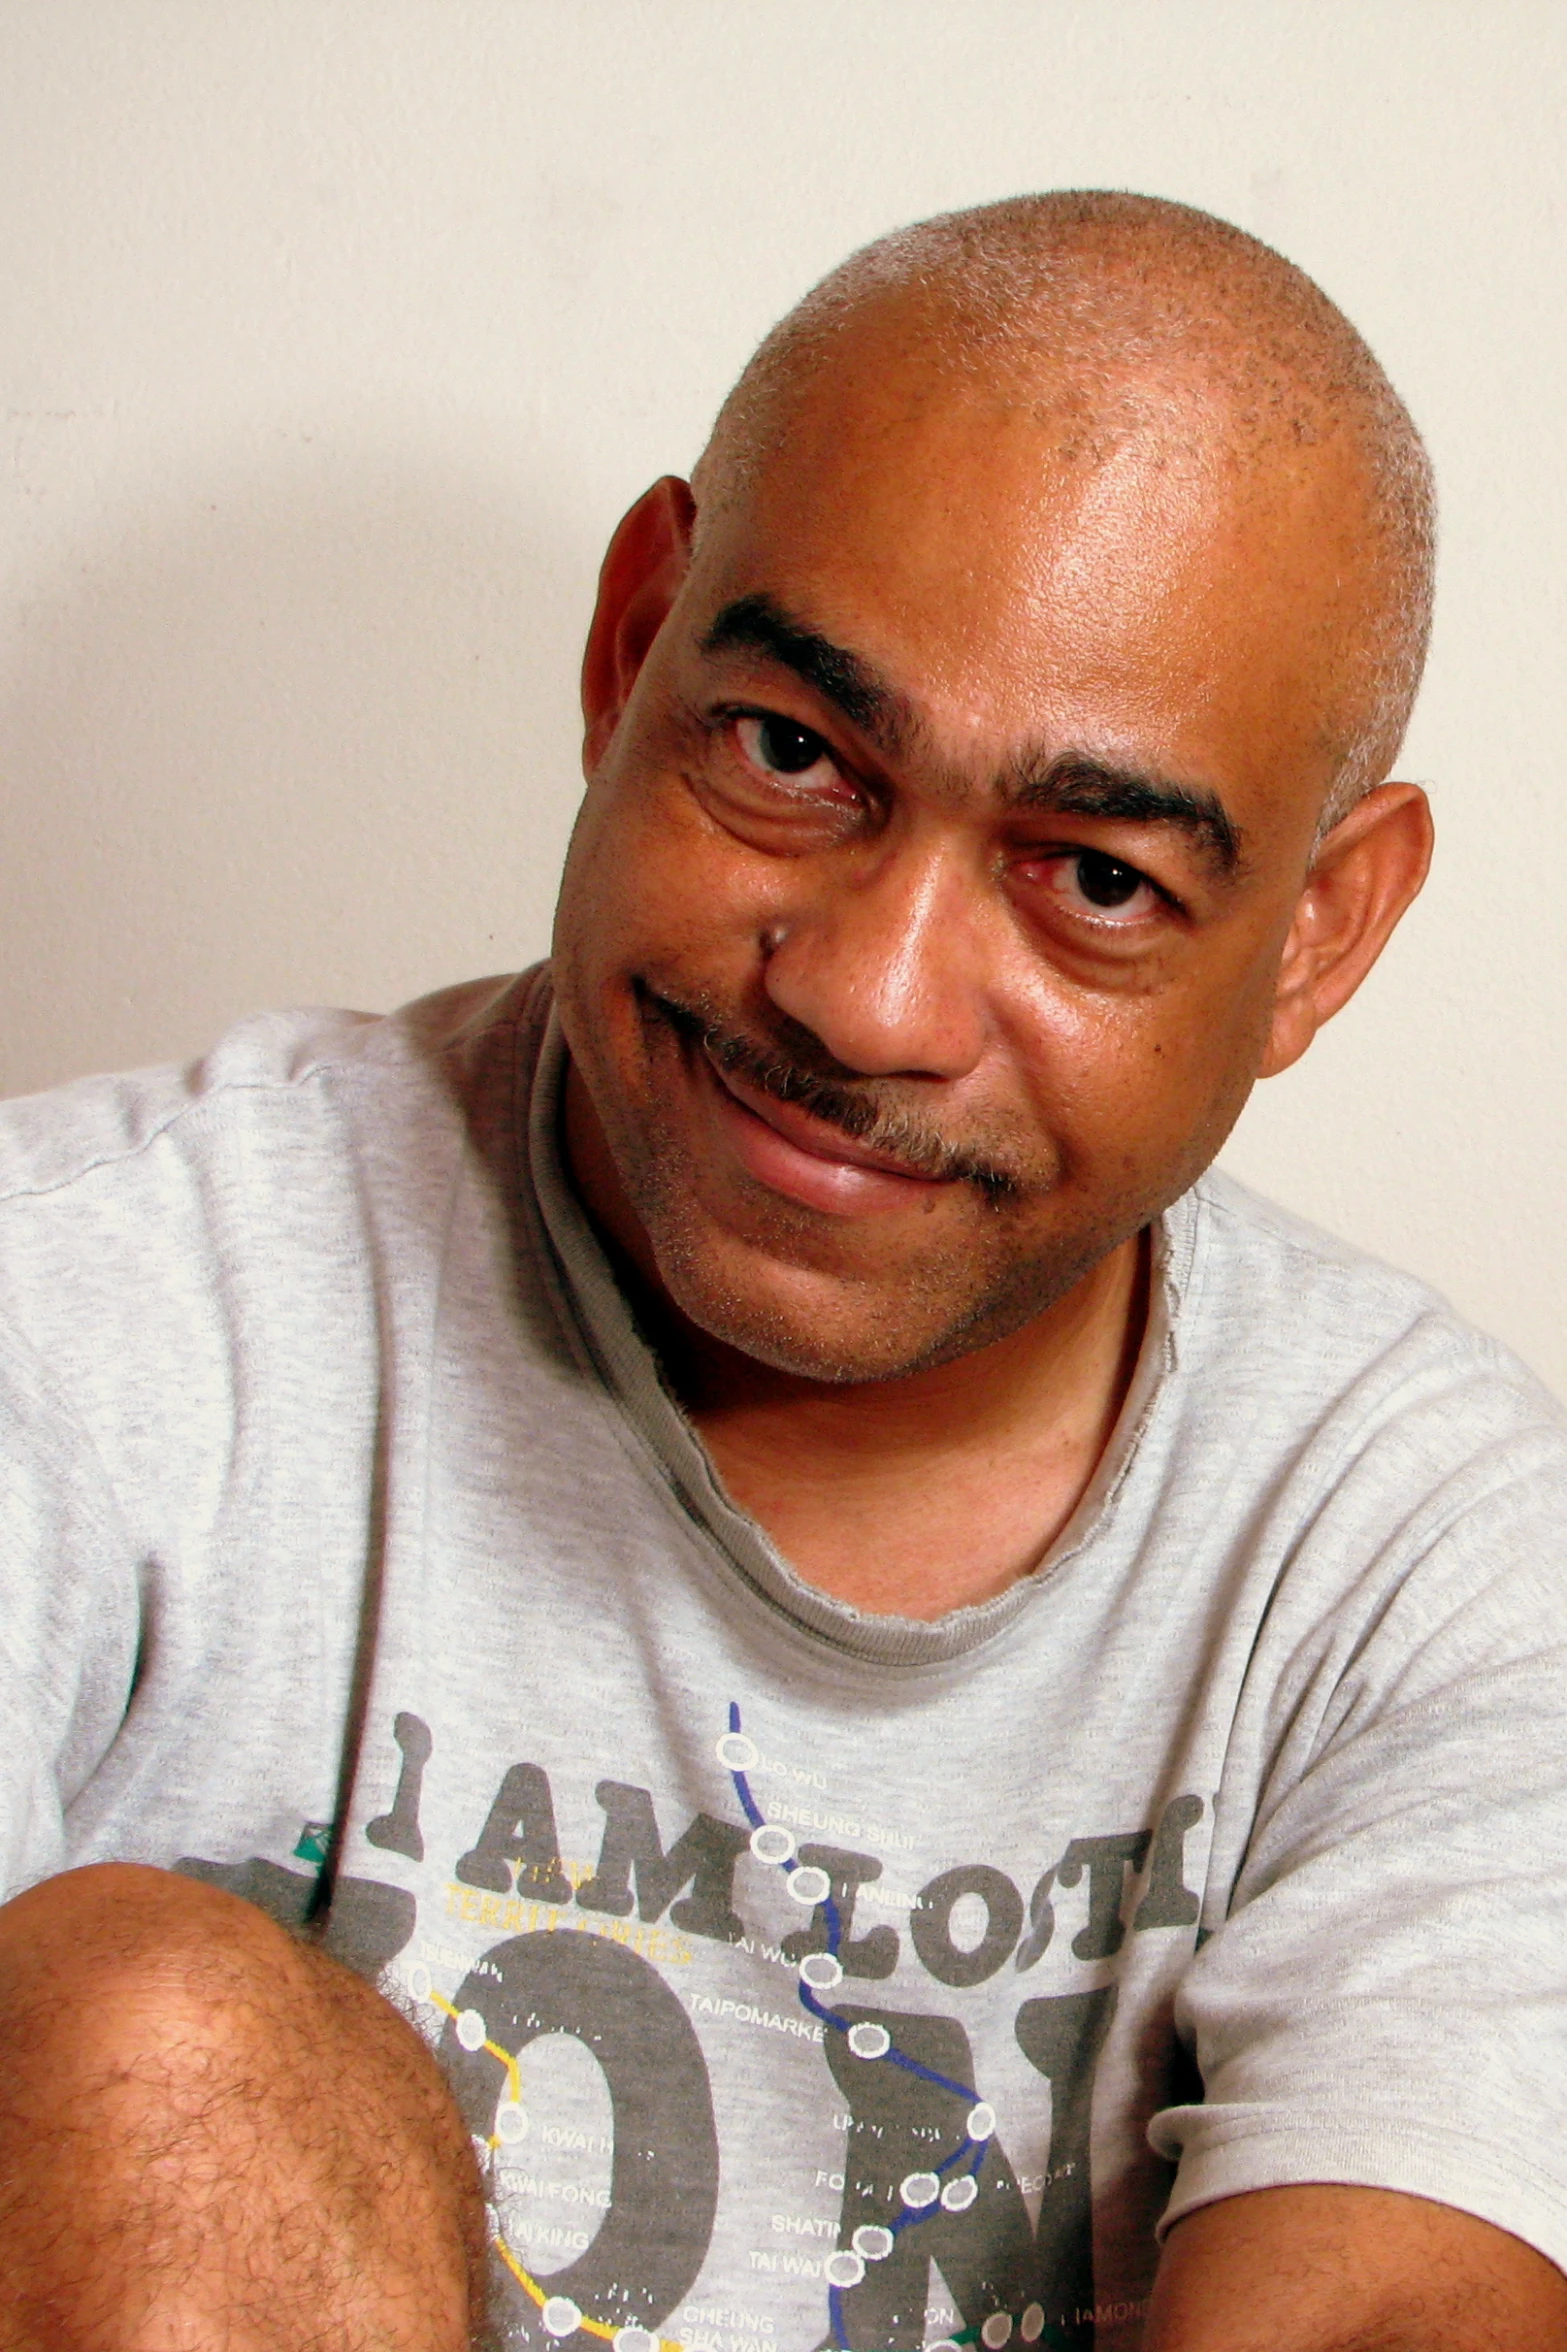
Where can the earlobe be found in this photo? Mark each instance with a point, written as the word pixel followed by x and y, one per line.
pixel 646 562
pixel 1364 876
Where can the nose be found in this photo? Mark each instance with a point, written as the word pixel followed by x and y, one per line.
pixel 884 965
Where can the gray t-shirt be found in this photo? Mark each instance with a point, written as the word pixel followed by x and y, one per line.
pixel 810 1977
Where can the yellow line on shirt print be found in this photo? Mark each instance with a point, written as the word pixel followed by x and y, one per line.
pixel 530 2285
pixel 513 2073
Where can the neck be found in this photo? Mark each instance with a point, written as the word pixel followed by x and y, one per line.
pixel 925 1493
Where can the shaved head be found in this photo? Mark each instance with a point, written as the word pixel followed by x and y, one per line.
pixel 1103 315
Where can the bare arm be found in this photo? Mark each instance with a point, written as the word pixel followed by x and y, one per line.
pixel 1322 2269
pixel 212 2135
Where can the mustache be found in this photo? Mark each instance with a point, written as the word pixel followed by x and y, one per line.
pixel 841 1098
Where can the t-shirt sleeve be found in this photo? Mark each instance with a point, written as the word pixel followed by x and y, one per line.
pixel 1384 1999
pixel 68 1618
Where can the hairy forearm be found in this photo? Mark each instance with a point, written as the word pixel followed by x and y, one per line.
pixel 1329 2269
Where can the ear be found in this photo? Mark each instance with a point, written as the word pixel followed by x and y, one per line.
pixel 1363 876
pixel 639 581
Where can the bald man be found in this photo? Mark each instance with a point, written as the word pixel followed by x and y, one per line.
pixel 954 1728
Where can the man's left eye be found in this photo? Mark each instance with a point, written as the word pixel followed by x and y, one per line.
pixel 1102 886
pixel 779 745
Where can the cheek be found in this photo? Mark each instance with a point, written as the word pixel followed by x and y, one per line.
pixel 617 876
pixel 652 885
pixel 1135 1086
pixel 1201 1073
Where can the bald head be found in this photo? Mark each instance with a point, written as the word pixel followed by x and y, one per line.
pixel 1102 316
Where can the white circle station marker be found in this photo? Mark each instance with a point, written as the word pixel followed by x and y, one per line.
pixel 1032 2324
pixel 959 2195
pixel 821 1971
pixel 919 2189
pixel 419 1981
pixel 869 2041
pixel 996 2330
pixel 736 1754
pixel 511 2123
pixel 843 2270
pixel 472 2031
pixel 633 2339
pixel 945 2344
pixel 872 2242
pixel 772 1842
pixel 561 2316
pixel 981 2121
pixel 809 1886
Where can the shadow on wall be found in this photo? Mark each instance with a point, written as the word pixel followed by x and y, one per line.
pixel 314 740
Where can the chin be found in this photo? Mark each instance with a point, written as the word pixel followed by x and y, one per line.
pixel 813 1326
pixel 853 1356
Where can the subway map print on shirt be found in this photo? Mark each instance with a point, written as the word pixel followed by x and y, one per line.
pixel 743 2085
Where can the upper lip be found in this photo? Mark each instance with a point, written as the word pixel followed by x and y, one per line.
pixel 808 1133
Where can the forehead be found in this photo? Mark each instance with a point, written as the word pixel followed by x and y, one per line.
pixel 1119 571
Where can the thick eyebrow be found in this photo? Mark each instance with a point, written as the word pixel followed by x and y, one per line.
pixel 757 625
pixel 1075 786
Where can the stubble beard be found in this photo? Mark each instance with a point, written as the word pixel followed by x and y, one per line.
pixel 949 1301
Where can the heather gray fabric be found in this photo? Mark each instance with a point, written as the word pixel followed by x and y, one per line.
pixel 813 1978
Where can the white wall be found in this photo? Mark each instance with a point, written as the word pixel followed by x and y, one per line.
pixel 334 335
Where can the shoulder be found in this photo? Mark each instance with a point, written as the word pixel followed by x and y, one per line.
pixel 231 1254
pixel 267 1066
pixel 1345 1373
pixel 1280 1287
pixel 154 1225
pixel 312 1065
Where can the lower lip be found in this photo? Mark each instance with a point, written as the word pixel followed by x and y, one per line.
pixel 841 1188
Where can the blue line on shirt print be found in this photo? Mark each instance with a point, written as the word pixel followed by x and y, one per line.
pixel 924 2196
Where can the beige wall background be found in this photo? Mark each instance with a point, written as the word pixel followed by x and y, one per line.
pixel 335 334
